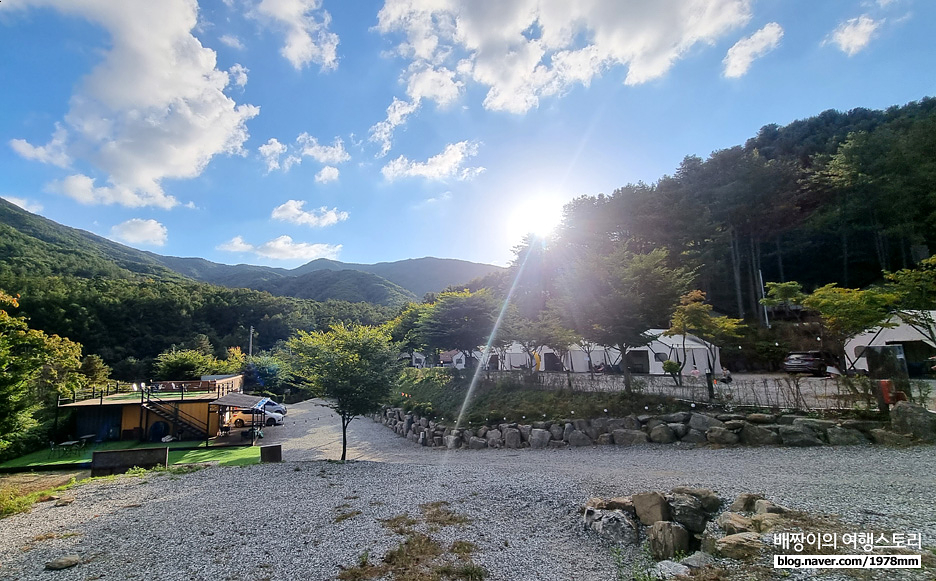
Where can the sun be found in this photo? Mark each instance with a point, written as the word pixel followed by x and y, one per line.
pixel 537 217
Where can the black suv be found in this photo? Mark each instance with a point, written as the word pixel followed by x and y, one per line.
pixel 814 362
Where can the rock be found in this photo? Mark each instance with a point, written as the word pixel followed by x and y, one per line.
pixel 567 431
pixel 452 442
pixel 651 507
pixel 579 439
pixel 63 562
pixel 476 443
pixel 862 425
pixel 698 560
pixel 654 422
pixel 539 438
pixel 482 431
pixel 676 418
pixel 668 569
pixel 493 438
pixel 745 502
pixel 644 418
pixel 735 425
pixel 761 418
pixel 788 419
pixel 734 523
pixel 64 501
pixel 662 434
pixel 817 426
pixel 580 425
pixel 763 506
pixel 888 438
pixel 722 436
pixel 710 501
pixel 729 417
pixel 540 425
pixel 620 503
pixel 667 538
pixel 604 440
pixel 679 430
pixel 613 524
pixel 764 523
pixel 629 437
pixel 694 436
pixel 740 546
pixel 556 431
pixel 908 418
pixel 752 435
pixel 703 422
pixel 600 424
pixel 845 437
pixel 628 423
pixel 688 511
pixel 798 437
pixel 559 444
pixel 525 431
pixel 512 438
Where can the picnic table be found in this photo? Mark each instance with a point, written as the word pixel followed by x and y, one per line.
pixel 69 447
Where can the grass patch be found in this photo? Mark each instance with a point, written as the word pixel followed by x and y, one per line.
pixel 463 548
pixel 400 524
pixel 438 514
pixel 223 455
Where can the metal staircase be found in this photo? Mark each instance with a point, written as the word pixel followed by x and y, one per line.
pixel 170 412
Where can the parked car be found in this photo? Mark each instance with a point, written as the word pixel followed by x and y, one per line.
pixel 241 418
pixel 814 362
pixel 272 406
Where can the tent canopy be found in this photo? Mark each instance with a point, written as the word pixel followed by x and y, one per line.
pixel 240 400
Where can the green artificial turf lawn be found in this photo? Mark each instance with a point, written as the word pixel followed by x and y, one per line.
pixel 224 455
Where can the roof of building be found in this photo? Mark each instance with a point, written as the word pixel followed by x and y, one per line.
pixel 240 400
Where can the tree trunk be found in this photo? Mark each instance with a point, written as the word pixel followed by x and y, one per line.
pixel 779 259
pixel 736 269
pixel 628 385
pixel 752 280
pixel 344 437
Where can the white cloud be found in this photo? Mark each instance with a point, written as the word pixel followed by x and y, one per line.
pixel 434 201
pixel 238 74
pixel 52 152
pixel 29 206
pixel 397 113
pixel 292 211
pixel 137 231
pixel 310 147
pixel 154 108
pixel 305 26
pixel 235 244
pixel 232 41
pixel 747 50
pixel 81 188
pixel 448 164
pixel 524 50
pixel 327 174
pixel 271 152
pixel 283 248
pixel 853 35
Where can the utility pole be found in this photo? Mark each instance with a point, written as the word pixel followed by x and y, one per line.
pixel 250 343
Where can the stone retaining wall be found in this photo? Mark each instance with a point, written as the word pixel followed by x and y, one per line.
pixel 694 428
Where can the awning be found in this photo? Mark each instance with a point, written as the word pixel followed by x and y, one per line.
pixel 240 400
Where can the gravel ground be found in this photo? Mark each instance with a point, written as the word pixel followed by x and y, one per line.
pixel 278 521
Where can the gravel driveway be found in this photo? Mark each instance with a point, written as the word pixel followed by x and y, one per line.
pixel 279 521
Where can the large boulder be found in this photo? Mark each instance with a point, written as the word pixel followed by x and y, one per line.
pixel 493 438
pixel 579 439
pixel 888 438
pixel 845 437
pixel 567 431
pixel 816 425
pixel 667 539
pixel 694 436
pixel 628 423
pixel 63 562
pixel 662 434
pixel 668 570
pixel 745 502
pixel 734 523
pixel 908 418
pixel 539 438
pixel 753 435
pixel 761 418
pixel 864 426
pixel 798 437
pixel 766 522
pixel 703 422
pixel 698 560
pixel 452 442
pixel 556 431
pixel 722 436
pixel 687 510
pixel 629 437
pixel 676 418
pixel 740 546
pixel 604 439
pixel 613 524
pixel 525 430
pixel 679 430
pixel 476 443
pixel 651 507
pixel 764 506
pixel 710 501
pixel 512 438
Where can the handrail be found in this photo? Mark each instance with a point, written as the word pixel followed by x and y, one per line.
pixel 175 411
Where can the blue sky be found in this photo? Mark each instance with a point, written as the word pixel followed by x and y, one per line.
pixel 279 131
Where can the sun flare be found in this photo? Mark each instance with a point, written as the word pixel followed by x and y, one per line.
pixel 537 217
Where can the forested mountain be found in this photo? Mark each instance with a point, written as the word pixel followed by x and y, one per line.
pixel 834 198
pixel 351 285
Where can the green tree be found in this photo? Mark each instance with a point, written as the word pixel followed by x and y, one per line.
pixel 694 316
pixel 916 291
pixel 846 312
pixel 614 299
pixel 185 364
pixel 352 367
pixel 95 370
pixel 784 294
pixel 459 320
